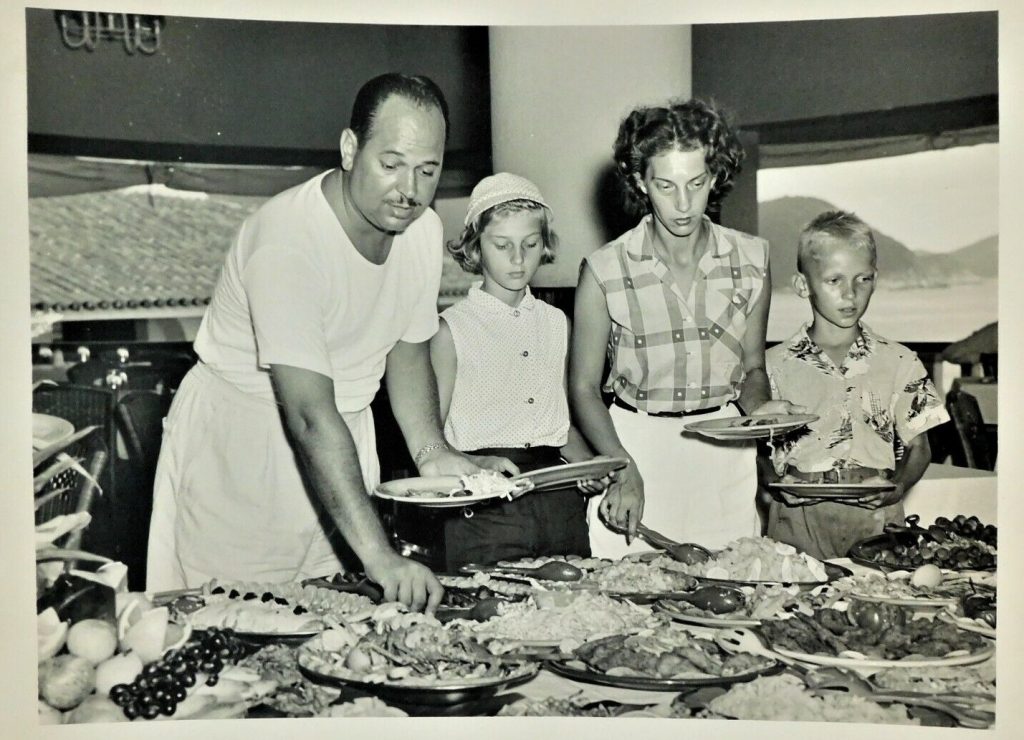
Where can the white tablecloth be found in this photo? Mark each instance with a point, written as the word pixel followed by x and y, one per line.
pixel 948 490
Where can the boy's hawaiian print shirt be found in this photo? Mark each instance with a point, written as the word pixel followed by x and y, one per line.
pixel 878 399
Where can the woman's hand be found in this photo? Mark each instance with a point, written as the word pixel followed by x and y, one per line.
pixel 623 506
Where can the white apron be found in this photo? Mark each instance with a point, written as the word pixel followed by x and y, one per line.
pixel 695 489
pixel 228 500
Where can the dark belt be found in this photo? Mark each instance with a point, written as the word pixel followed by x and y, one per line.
pixel 672 414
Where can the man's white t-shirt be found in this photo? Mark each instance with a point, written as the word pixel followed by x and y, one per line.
pixel 294 291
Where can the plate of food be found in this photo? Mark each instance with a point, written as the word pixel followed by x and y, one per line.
pixel 926 587
pixel 758 561
pixel 564 618
pixel 961 544
pixel 263 613
pixel 870 635
pixel 765 601
pixel 450 490
pixel 662 660
pixel 750 427
pixel 832 490
pixel 560 475
pixel 410 659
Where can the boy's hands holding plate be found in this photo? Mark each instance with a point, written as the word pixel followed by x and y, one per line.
pixel 889 492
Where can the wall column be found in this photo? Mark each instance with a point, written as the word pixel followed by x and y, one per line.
pixel 557 97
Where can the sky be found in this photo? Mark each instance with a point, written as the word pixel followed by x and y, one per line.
pixel 935 201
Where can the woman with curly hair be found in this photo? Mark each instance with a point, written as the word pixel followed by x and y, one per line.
pixel 678 306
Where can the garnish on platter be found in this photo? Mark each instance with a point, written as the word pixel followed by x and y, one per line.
pixel 759 560
pixel 878 634
pixel 270 608
pixel 961 544
pixel 665 658
pixel 400 650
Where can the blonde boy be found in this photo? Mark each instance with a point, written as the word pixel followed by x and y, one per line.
pixel 872 395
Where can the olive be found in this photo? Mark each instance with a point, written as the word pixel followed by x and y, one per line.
pixel 916 559
pixel 942 553
pixel 131 711
pixel 959 520
pixel 212 680
pixel 941 521
pixel 971 527
pixel 937 533
pixel 899 550
pixel 150 711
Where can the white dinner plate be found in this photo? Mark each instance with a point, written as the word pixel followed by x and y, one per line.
pixel 49 430
pixel 750 427
pixel 849 661
pixel 560 475
pixel 439 492
pixel 832 490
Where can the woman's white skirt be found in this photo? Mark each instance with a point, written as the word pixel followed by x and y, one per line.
pixel 695 489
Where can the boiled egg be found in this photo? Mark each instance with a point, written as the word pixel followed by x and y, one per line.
pixel 926 576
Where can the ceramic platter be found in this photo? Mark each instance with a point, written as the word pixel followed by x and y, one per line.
pixel 750 427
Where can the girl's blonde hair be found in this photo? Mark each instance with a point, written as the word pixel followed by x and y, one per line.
pixel 466 249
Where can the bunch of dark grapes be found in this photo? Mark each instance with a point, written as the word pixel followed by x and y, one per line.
pixel 163 684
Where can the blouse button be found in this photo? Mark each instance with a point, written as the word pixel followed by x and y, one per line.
pixel 703 391
pixel 516 312
pixel 529 400
pixel 526 353
pixel 527 445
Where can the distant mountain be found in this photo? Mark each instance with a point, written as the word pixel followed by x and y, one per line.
pixel 980 259
pixel 899 267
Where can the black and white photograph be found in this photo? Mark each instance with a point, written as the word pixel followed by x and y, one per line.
pixel 634 363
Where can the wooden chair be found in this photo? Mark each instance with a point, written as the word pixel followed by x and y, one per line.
pixel 70 491
pixel 974 450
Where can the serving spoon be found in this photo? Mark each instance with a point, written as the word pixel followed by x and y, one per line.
pixel 714 598
pixel 688 553
pixel 553 570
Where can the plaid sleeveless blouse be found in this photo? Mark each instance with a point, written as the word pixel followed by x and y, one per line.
pixel 666 353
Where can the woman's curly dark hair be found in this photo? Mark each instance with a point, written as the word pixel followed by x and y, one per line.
pixel 685 125
pixel 466 249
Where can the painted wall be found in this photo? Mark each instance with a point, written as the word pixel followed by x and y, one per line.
pixel 245 83
pixel 558 95
pixel 774 72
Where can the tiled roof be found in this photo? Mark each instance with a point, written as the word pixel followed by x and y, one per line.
pixel 136 248
pixel 129 248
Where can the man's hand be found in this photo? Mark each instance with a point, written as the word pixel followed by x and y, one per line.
pixel 450 462
pixel 778 407
pixel 406 581
pixel 881 498
pixel 623 506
